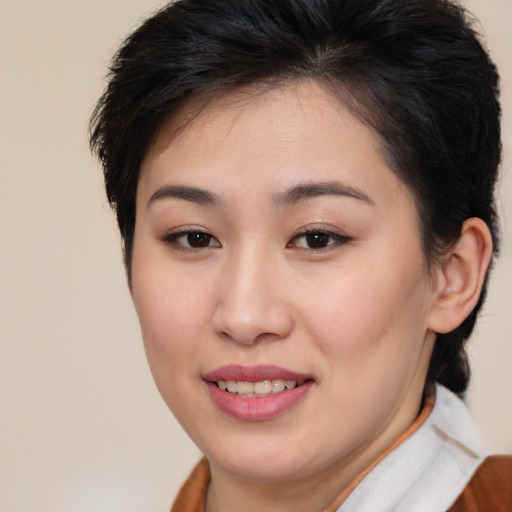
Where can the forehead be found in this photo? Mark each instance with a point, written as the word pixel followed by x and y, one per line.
pixel 202 114
pixel 279 105
pixel 296 132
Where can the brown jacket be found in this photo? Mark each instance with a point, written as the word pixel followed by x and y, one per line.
pixel 490 489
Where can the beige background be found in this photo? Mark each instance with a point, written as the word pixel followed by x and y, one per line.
pixel 82 427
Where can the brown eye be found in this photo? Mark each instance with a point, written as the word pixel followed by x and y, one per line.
pixel 317 240
pixel 198 240
pixel 191 240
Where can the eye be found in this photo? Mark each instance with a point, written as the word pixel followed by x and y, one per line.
pixel 192 240
pixel 317 240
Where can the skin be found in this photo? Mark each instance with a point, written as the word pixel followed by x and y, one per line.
pixel 356 315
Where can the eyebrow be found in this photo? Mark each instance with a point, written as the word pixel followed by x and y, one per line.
pixel 310 190
pixel 195 195
pixel 291 196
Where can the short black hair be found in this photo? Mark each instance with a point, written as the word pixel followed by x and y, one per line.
pixel 414 70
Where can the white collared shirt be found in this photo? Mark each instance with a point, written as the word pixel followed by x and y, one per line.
pixel 427 471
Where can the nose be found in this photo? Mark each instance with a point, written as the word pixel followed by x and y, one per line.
pixel 252 304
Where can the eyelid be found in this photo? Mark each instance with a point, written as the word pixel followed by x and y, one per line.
pixel 339 238
pixel 171 238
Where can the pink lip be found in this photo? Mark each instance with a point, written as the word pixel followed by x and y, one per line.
pixel 256 408
pixel 253 373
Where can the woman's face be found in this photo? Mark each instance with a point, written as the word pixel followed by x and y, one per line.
pixel 275 248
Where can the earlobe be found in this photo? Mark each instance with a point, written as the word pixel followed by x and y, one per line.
pixel 461 276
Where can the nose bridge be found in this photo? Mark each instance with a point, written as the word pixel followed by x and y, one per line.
pixel 250 301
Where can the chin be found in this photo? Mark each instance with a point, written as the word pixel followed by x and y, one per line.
pixel 257 458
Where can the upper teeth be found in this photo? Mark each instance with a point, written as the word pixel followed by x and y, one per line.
pixel 260 388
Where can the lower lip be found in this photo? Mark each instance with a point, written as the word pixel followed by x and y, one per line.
pixel 257 408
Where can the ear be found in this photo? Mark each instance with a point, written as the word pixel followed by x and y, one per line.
pixel 460 276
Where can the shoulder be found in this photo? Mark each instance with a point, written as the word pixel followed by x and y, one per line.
pixel 490 488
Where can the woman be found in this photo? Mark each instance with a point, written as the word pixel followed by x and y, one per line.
pixel 305 195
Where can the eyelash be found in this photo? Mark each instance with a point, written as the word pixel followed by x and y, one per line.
pixel 333 240
pixel 174 239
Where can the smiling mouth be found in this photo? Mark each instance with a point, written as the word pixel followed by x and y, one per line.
pixel 257 392
pixel 257 389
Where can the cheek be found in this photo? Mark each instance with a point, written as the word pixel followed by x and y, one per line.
pixel 172 314
pixel 371 310
pixel 172 322
pixel 370 327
